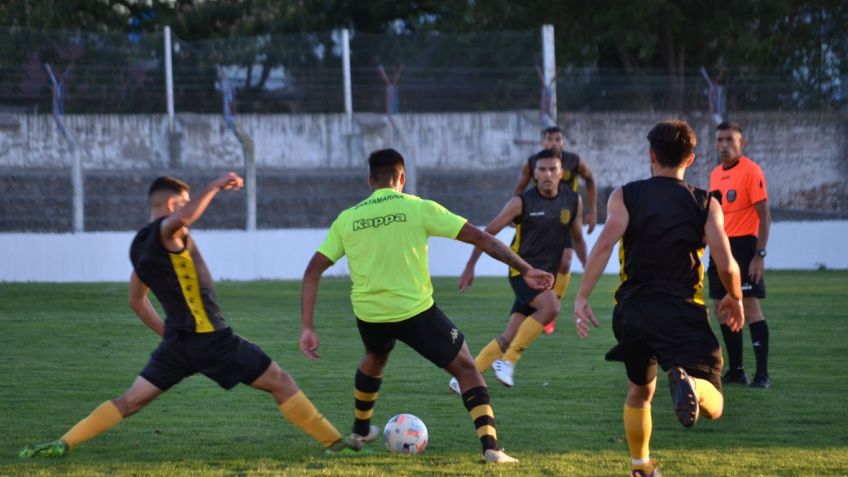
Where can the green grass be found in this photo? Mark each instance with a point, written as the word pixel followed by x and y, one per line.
pixel 66 348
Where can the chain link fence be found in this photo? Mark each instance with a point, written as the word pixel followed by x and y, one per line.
pixel 117 74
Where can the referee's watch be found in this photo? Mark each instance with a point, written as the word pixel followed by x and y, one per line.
pixel 761 252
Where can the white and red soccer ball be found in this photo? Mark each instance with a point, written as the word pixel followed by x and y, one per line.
pixel 405 434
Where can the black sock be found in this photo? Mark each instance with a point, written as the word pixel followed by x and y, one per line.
pixel 365 397
pixel 760 340
pixel 476 401
pixel 733 343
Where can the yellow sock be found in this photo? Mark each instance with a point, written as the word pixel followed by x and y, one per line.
pixel 561 284
pixel 488 355
pixel 710 399
pixel 529 330
pixel 101 419
pixel 302 413
pixel 637 427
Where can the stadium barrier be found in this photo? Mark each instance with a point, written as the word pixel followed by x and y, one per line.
pixel 257 255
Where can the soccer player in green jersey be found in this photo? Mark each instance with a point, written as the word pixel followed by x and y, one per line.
pixel 384 238
pixel 195 336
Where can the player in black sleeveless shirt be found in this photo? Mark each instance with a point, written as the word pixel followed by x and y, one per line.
pixel 660 316
pixel 573 166
pixel 545 217
pixel 196 339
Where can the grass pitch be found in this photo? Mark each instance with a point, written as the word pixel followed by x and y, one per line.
pixel 66 348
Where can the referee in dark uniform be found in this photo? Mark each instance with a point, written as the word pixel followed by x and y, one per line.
pixel 196 338
pixel 660 316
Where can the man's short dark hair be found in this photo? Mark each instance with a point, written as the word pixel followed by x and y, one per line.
pixel 171 185
pixel 385 165
pixel 552 130
pixel 725 125
pixel 672 142
pixel 547 154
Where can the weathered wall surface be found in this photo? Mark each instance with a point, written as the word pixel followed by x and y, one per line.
pixel 310 166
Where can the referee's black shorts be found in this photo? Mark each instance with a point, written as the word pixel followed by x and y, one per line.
pixel 667 330
pixel 743 250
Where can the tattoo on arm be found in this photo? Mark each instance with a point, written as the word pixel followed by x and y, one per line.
pixel 499 251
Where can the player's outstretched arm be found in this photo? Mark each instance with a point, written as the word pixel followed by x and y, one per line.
pixel 523 179
pixel 577 240
pixel 591 193
pixel 308 296
pixel 536 279
pixel 142 307
pixel 728 269
pixel 506 216
pixel 192 211
pixel 616 224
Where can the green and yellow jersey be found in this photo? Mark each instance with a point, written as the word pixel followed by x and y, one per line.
pixel 384 238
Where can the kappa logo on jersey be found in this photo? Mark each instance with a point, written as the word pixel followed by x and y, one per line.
pixel 566 175
pixel 378 221
pixel 731 195
pixel 565 216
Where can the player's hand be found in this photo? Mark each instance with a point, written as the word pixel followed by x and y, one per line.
pixel 756 269
pixel 583 316
pixel 538 279
pixel 309 343
pixel 733 313
pixel 229 181
pixel 591 221
pixel 466 279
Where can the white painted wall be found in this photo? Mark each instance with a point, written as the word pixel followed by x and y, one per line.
pixel 283 254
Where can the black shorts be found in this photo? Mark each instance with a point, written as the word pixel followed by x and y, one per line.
pixel 523 296
pixel 223 357
pixel 743 250
pixel 668 330
pixel 430 333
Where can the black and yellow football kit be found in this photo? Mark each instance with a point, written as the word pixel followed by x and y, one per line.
pixel 197 338
pixel 660 314
pixel 540 235
pixel 570 172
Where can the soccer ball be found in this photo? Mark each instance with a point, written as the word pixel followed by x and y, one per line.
pixel 405 434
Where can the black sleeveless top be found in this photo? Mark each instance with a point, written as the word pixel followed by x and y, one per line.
pixel 180 281
pixel 544 227
pixel 662 246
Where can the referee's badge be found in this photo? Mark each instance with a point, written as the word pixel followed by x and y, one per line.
pixel 731 195
pixel 565 216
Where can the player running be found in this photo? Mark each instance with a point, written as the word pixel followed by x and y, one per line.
pixel 546 217
pixel 660 316
pixel 572 167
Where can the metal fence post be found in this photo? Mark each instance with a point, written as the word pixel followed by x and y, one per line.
pixel 549 68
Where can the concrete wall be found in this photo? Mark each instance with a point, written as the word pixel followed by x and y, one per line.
pixel 239 255
pixel 805 155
